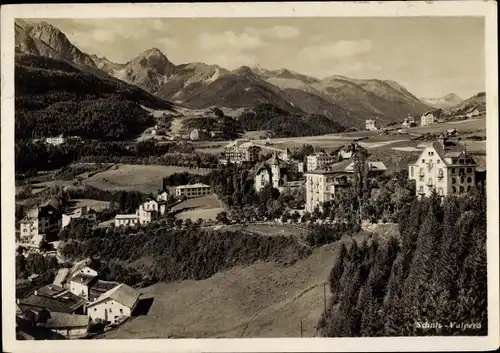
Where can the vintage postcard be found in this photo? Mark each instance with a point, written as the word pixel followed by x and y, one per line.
pixel 248 177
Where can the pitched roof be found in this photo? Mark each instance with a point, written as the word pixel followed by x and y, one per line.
pixel 83 278
pixel 40 301
pixel 126 216
pixel 333 168
pixel 64 320
pixel 197 185
pixel 61 276
pixel 123 294
pixel 50 290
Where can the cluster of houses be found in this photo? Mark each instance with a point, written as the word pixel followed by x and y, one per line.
pixel 147 211
pixel 77 298
pixel 40 222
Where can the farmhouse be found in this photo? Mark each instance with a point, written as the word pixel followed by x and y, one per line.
pixel 319 160
pixel 409 121
pixel 445 167
pixel 80 213
pixel 69 326
pixel 113 305
pixel 472 112
pixel 427 118
pixel 241 151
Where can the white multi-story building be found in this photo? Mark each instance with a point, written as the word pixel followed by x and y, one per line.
pixel 193 191
pixel 371 125
pixel 38 222
pixel 318 161
pixel 444 166
pixel 427 118
pixel 150 210
pixel 241 151
pixel 321 185
pixel 274 172
pixel 55 141
pixel 80 213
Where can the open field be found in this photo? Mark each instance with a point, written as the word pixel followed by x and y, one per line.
pixel 144 178
pixel 460 126
pixel 97 205
pixel 53 184
pixel 261 300
pixel 206 208
pixel 268 229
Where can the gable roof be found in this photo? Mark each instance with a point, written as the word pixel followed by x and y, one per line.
pixel 64 320
pixel 51 304
pixel 61 276
pixel 83 278
pixel 123 294
pixel 50 290
pixel 372 165
pixel 332 168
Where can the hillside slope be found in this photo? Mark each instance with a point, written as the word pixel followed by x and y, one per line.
pixel 261 300
pixel 239 89
pixel 54 97
pixel 476 101
pixel 389 101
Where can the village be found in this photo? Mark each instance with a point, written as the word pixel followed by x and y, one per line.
pixel 80 304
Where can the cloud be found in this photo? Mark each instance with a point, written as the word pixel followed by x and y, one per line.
pixel 229 40
pixel 336 50
pixel 361 67
pixel 275 32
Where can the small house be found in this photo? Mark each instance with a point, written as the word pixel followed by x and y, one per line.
pixel 115 304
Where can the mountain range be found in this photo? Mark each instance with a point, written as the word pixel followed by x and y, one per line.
pixel 198 85
pixel 447 102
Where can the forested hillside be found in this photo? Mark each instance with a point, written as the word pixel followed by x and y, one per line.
pixel 54 97
pixel 434 275
pixel 159 252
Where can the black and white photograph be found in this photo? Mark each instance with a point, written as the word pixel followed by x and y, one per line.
pixel 209 175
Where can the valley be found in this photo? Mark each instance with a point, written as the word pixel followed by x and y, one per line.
pixel 244 201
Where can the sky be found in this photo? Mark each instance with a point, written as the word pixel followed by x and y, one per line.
pixel 430 56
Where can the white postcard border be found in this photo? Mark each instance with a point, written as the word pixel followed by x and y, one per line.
pixel 312 9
